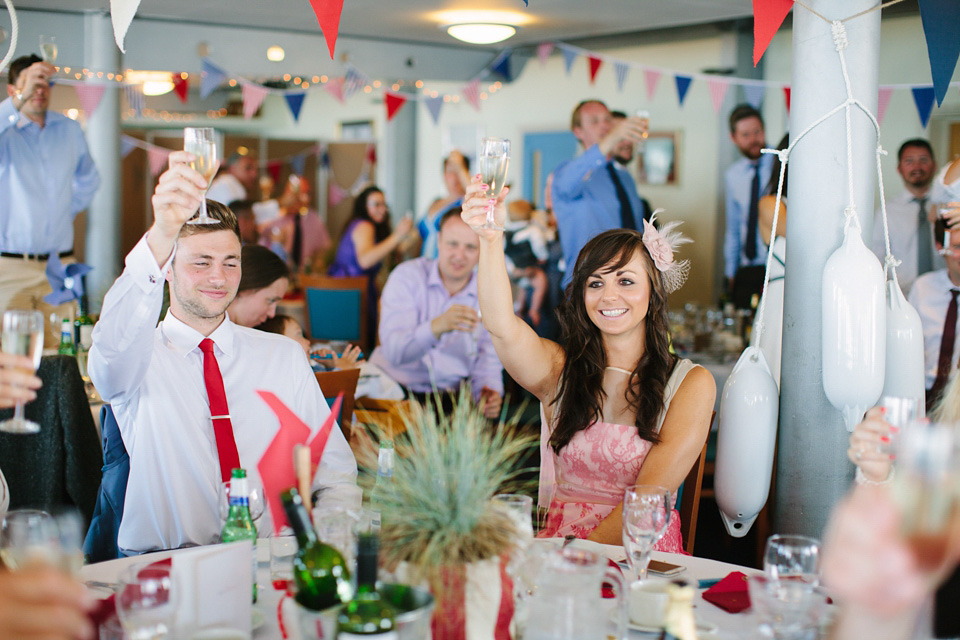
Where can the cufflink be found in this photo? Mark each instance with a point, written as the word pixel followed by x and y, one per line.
pixel 152 278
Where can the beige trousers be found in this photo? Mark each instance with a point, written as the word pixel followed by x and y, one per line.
pixel 23 283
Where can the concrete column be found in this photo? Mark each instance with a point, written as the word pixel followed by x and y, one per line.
pixel 397 165
pixel 103 136
pixel 812 469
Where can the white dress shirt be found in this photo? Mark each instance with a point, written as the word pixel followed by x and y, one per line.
pixel 930 296
pixel 737 181
pixel 153 377
pixel 902 214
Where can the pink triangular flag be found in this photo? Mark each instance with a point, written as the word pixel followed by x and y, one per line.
pixel 883 100
pixel 335 88
pixel 157 156
pixel 89 96
pixel 652 77
pixel 718 91
pixel 253 95
pixel 543 52
pixel 472 93
pixel 328 17
pixel 335 193
pixel 121 15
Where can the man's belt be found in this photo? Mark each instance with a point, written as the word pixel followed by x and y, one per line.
pixel 34 256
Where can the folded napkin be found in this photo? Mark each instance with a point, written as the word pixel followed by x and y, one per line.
pixel 607 590
pixel 107 607
pixel 730 594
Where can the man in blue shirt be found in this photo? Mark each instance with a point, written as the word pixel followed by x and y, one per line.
pixel 46 177
pixel 591 193
pixel 744 182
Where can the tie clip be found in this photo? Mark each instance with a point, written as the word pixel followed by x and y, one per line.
pixel 227 416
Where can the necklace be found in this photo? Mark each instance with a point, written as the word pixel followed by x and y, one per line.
pixel 618 369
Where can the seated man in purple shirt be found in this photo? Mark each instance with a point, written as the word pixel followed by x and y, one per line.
pixel 430 331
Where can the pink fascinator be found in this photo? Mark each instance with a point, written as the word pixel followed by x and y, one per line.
pixel 661 244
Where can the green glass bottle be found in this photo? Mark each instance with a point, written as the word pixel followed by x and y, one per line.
pixel 239 525
pixel 83 326
pixel 367 615
pixel 66 347
pixel 320 573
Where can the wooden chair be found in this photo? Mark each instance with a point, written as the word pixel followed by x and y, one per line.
pixel 336 308
pixel 388 417
pixel 334 382
pixel 689 506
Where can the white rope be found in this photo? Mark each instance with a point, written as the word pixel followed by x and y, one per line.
pixel 14 32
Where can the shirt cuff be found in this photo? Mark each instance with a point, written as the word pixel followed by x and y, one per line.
pixel 8 113
pixel 423 336
pixel 143 267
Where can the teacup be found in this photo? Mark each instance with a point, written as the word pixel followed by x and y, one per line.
pixel 648 602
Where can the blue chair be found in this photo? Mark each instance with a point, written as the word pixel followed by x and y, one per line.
pixel 101 541
pixel 336 308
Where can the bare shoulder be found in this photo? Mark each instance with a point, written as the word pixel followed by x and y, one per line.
pixel 697 392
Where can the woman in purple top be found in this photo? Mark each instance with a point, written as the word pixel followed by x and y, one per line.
pixel 367 240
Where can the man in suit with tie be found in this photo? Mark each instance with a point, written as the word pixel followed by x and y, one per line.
pixel 934 296
pixel 743 247
pixel 592 193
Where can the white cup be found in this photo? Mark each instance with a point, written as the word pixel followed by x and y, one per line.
pixel 648 602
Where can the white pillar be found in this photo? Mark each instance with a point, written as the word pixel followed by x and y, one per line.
pixel 812 468
pixel 104 216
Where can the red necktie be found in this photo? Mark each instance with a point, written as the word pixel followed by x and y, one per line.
pixel 946 346
pixel 219 412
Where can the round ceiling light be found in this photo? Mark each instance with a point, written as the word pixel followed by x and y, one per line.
pixel 481 32
pixel 275 54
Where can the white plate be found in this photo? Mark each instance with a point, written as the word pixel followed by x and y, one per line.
pixel 702 627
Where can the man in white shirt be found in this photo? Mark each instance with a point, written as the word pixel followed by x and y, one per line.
pixel 153 376
pixel 908 216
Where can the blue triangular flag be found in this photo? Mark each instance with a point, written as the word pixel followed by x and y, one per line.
pixel 298 163
pixel 65 280
pixel 525 3
pixel 940 20
pixel 754 94
pixel 620 70
pixel 502 66
pixel 923 97
pixel 433 106
pixel 569 55
pixel 213 76
pixel 295 102
pixel 683 83
pixel 127 144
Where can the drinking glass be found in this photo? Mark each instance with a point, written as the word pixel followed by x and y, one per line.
pixel 28 536
pixel 147 602
pixel 899 412
pixel 940 228
pixel 202 143
pixel 520 509
pixel 494 159
pixel 23 336
pixel 48 49
pixel 646 514
pixel 256 499
pixel 785 609
pixel 644 116
pixel 794 558
pixel 70 534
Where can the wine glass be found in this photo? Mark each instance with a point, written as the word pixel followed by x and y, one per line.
pixel 644 116
pixel 646 514
pixel 48 49
pixel 791 557
pixel 27 537
pixel 201 142
pixel 23 336
pixel 494 159
pixel 257 502
pixel 784 609
pixel 146 601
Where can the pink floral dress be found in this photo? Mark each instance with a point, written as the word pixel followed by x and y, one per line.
pixel 585 481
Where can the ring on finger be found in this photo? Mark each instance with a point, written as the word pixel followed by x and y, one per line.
pixel 858 455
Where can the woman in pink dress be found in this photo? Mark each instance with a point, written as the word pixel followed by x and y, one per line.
pixel 619 409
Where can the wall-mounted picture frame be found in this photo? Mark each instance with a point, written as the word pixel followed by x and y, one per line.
pixel 658 159
pixel 357 131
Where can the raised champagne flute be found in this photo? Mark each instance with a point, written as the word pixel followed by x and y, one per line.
pixel 48 49
pixel 494 160
pixel 644 116
pixel 23 336
pixel 202 143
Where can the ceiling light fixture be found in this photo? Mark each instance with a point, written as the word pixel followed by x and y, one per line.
pixel 481 32
pixel 276 54
pixel 155 83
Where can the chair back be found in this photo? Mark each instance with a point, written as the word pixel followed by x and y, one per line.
pixel 688 498
pixel 335 382
pixel 387 417
pixel 336 308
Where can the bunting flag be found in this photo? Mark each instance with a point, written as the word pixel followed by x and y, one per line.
pixel 298 163
pixel 768 15
pixel 718 91
pixel 620 70
pixel 394 102
pixel 253 95
pixel 595 63
pixel 213 77
pixel 121 15
pixel 754 94
pixel 181 86
pixel 135 98
pixel 472 93
pixel 371 157
pixel 544 49
pixel 433 106
pixel 335 88
pixel 353 82
pixel 328 17
pixel 683 84
pixel 89 96
pixel 786 97
pixel 157 157
pixel 651 77
pixel 941 19
pixel 295 103
pixel 325 158
pixel 883 99
pixel 923 97
pixel 127 144
pixel 569 55
pixel 335 193
pixel 502 66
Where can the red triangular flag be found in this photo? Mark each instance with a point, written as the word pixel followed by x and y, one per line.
pixel 328 17
pixel 594 67
pixel 786 96
pixel 89 96
pixel 371 154
pixel 768 15
pixel 394 102
pixel 180 86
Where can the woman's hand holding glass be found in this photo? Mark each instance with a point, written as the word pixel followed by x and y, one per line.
pixel 870 446
pixel 477 204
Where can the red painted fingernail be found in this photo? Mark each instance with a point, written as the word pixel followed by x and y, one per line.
pixel 884 439
pixel 883 409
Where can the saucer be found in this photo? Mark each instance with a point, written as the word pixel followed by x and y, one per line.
pixel 706 628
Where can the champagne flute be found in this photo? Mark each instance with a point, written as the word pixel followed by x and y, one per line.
pixel 202 143
pixel 646 514
pixel 941 229
pixel 494 159
pixel 146 601
pixel 29 537
pixel 48 49
pixel 23 336
pixel 644 116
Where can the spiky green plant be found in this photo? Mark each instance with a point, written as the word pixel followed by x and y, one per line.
pixel 436 511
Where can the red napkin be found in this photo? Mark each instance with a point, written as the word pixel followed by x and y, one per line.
pixel 730 594
pixel 607 590
pixel 107 607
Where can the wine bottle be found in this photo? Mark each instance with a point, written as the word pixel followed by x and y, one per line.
pixel 679 623
pixel 66 347
pixel 239 525
pixel 367 615
pixel 320 573
pixel 83 326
